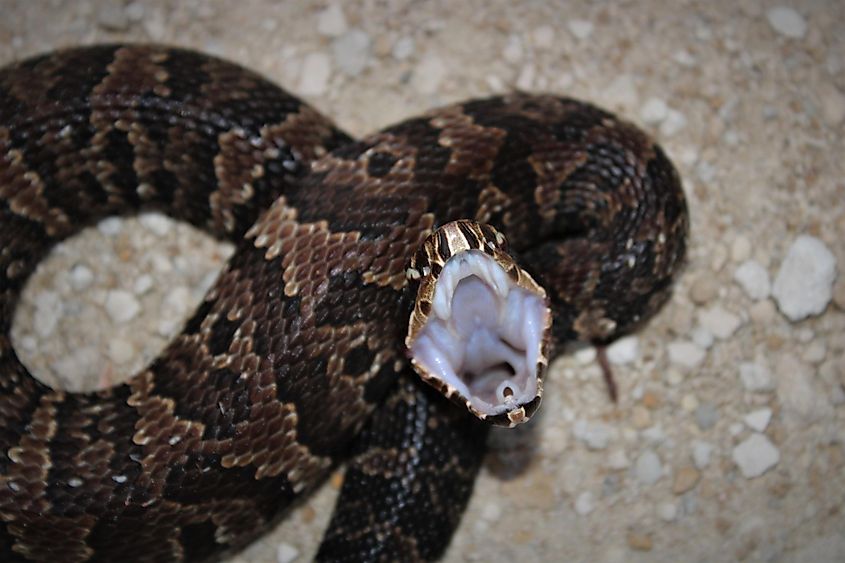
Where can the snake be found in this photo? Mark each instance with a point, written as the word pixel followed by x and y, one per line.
pixel 388 300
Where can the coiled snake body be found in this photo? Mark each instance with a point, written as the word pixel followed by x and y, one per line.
pixel 276 374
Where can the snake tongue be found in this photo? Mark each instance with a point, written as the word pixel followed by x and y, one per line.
pixel 479 331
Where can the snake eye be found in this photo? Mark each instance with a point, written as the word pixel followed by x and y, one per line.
pixel 477 331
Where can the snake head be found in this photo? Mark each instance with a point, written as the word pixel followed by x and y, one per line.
pixel 480 328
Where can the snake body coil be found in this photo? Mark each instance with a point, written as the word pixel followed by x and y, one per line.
pixel 301 339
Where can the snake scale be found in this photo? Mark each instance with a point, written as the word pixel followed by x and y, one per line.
pixel 295 359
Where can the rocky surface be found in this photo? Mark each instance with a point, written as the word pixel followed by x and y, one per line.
pixel 727 441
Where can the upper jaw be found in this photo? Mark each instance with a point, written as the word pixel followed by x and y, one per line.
pixel 480 327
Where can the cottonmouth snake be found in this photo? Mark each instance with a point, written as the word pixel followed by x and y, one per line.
pixel 276 375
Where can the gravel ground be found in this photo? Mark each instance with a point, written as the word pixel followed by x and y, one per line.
pixel 727 442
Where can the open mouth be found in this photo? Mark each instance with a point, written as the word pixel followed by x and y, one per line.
pixel 483 337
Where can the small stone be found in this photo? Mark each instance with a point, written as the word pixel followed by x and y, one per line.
pixel 706 416
pixel 286 553
pixel 512 52
pixel 403 48
pixel 177 301
pixel 585 355
pixel 815 352
pixel 110 226
pixel 143 284
pixel 544 36
pixel 798 390
pixel 47 307
pixel 648 468
pixel 491 512
pixel 685 479
pixel 753 278
pixel 331 22
pixel 654 435
pixel 525 80
pixel 585 503
pixel 622 92
pixel 121 351
pixel 758 420
pixel 787 22
pixel 640 418
pixel 652 400
pixel 80 277
pixel 833 104
pixel 314 77
pixel 428 74
pixel 135 11
pixel 674 122
pixel 735 429
pixel 158 223
pixel 689 402
pixel 763 312
pixel 701 454
pixel 755 455
pixel 804 283
pixel 121 305
pixel 685 353
pixel 667 511
pixel 654 110
pixel 702 337
pixel 581 29
pixel 595 435
pixel 617 459
pixel 755 377
pixel 352 51
pixel 640 542
pixel 703 290
pixel 624 350
pixel 740 248
pixel 719 321
pixel 111 15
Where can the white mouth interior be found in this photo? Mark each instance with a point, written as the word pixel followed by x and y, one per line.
pixel 483 334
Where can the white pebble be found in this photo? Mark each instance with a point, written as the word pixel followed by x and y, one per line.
pixel 804 283
pixel 143 284
pixel 648 468
pixel 491 511
pixel 755 455
pixel 581 29
pixel 753 278
pixel 110 226
pixel 177 301
pixel 685 353
pixel 121 351
pixel 585 503
pixel 512 52
pixel 735 429
pixel 684 58
pixel 121 305
pixel 428 74
pixel 525 80
pixel 702 337
pixel 135 11
pixel 787 21
pixel 674 122
pixel 622 92
pixel 352 51
pixel 585 355
pixel 314 77
pixel 47 305
pixel 667 511
pixel 331 22
pixel 80 277
pixel 624 350
pixel 798 390
pixel 654 435
pixel 544 36
pixel 403 48
pixel 595 435
pixel 755 377
pixel 720 322
pixel 701 454
pixel 833 104
pixel 654 110
pixel 111 15
pixel 758 420
pixel 158 223
pixel 286 553
pixel 617 459
pixel 740 248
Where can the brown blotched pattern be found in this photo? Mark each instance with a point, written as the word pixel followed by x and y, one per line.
pixel 301 338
